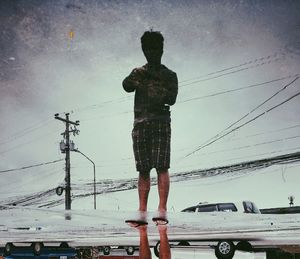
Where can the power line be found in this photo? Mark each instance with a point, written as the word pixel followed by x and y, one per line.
pixel 280 52
pixel 264 102
pixel 238 89
pixel 25 131
pixel 244 124
pixel 270 131
pixel 249 136
pixel 30 166
pixel 101 105
pixel 250 145
pixel 25 143
pixel 264 154
pixel 247 114
pixel 228 73
pixel 253 145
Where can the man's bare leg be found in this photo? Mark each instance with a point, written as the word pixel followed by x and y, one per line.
pixel 143 190
pixel 163 189
pixel 164 249
pixel 145 252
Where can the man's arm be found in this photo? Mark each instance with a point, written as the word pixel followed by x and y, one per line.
pixel 164 92
pixel 172 90
pixel 131 82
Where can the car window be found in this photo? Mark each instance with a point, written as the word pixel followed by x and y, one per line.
pixel 207 208
pixel 250 207
pixel 255 209
pixel 227 207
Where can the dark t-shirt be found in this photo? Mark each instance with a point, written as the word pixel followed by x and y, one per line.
pixel 155 91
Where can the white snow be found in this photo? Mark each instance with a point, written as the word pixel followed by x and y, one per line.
pixel 113 208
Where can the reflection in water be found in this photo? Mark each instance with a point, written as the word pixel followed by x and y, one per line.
pixel 164 248
pixel 145 252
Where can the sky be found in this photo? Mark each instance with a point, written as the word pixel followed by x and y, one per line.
pixel 232 59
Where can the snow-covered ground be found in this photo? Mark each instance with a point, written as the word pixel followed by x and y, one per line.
pixel 100 228
pixel 268 187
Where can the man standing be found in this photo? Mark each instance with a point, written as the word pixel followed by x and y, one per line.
pixel 156 88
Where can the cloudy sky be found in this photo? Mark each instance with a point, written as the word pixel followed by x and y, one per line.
pixel 234 60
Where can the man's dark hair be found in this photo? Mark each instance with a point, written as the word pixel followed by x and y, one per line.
pixel 152 39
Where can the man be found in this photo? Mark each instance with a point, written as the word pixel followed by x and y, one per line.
pixel 155 89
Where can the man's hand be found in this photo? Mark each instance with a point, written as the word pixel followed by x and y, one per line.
pixel 134 80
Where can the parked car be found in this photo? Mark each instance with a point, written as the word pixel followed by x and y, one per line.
pixel 38 250
pixel 241 206
pixel 225 249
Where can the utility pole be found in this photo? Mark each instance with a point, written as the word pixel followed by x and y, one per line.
pixel 66 149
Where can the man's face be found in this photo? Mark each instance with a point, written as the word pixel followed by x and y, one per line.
pixel 153 54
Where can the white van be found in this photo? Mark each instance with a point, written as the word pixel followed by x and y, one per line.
pixel 241 206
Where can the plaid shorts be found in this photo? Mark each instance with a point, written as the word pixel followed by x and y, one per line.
pixel 151 145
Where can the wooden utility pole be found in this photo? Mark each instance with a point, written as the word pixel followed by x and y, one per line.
pixel 67 151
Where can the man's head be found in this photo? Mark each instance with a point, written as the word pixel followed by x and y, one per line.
pixel 152 46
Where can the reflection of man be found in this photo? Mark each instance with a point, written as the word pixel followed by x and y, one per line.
pixel 145 252
pixel 155 89
pixel 164 247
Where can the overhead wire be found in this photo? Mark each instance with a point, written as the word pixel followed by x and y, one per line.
pixel 25 131
pixel 283 151
pixel 280 52
pixel 219 136
pixel 266 132
pixel 253 145
pixel 238 89
pixel 267 154
pixel 227 73
pixel 31 166
pixel 24 143
pixel 252 135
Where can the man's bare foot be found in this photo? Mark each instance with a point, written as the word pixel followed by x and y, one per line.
pixel 139 220
pixel 161 218
pixel 136 223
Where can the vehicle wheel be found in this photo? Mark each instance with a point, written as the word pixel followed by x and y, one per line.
pixel 37 247
pixel 244 246
pixel 8 248
pixel 224 250
pixel 64 245
pixel 106 250
pixel 130 250
pixel 156 249
pixel 184 243
pixel 84 253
